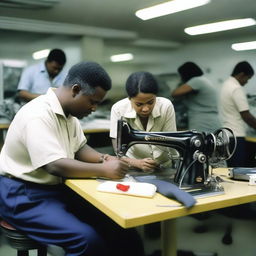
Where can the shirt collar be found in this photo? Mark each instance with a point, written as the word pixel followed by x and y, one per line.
pixel 233 80
pixel 42 67
pixel 54 102
pixel 130 112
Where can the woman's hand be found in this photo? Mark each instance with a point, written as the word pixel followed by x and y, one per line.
pixel 148 164
pixel 108 157
pixel 145 164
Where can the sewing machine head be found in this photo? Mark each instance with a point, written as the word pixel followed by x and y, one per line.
pixel 197 150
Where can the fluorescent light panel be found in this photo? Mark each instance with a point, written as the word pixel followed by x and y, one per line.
pixel 244 46
pixel 121 57
pixel 41 54
pixel 168 8
pixel 220 26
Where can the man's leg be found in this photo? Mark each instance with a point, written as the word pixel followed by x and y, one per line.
pixel 239 157
pixel 41 213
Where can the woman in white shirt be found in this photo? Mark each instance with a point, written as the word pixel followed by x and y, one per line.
pixel 144 111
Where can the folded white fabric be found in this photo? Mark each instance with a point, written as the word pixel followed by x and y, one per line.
pixel 128 188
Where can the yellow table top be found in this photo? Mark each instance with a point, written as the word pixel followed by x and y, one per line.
pixel 250 139
pixel 4 126
pixel 95 130
pixel 131 211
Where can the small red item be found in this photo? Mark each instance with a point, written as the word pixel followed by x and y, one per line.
pixel 122 187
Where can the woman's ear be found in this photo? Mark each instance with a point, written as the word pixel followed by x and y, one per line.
pixel 76 88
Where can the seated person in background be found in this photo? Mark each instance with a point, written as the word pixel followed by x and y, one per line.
pixel 37 79
pixel 144 111
pixel 200 98
pixel 44 145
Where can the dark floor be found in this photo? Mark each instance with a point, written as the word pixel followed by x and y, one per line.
pixel 208 243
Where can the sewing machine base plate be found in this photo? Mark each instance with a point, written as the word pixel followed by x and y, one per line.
pixel 198 191
pixel 204 192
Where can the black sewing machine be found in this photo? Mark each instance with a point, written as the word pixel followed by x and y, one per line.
pixel 197 152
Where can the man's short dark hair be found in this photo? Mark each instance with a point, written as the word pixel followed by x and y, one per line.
pixel 243 67
pixel 88 75
pixel 141 81
pixel 189 70
pixel 57 55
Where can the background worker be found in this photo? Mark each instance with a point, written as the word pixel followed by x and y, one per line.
pixel 36 79
pixel 234 109
pixel 45 144
pixel 199 96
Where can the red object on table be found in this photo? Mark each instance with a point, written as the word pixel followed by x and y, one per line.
pixel 122 187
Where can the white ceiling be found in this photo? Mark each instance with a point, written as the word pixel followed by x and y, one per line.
pixel 116 18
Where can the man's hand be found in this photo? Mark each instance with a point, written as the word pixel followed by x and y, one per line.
pixel 115 169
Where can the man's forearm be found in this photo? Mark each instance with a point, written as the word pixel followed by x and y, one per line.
pixel 249 118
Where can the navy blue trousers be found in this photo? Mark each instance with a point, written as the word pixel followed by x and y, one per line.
pixel 56 215
pixel 239 157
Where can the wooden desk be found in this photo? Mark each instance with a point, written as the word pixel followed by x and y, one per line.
pixel 250 139
pixel 5 127
pixel 86 131
pixel 130 211
pixel 96 130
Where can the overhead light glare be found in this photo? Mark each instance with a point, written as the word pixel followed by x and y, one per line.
pixel 244 46
pixel 220 26
pixel 168 8
pixel 41 54
pixel 121 57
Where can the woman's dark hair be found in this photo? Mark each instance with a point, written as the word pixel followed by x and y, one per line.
pixel 189 70
pixel 243 67
pixel 88 75
pixel 141 81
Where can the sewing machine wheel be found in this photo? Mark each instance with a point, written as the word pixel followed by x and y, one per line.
pixel 225 145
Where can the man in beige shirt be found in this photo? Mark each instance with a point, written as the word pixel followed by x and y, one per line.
pixel 44 145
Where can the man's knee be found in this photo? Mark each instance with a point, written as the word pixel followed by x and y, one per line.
pixel 85 241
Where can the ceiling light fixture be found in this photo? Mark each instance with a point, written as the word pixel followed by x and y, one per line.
pixel 168 8
pixel 121 57
pixel 244 46
pixel 220 26
pixel 40 54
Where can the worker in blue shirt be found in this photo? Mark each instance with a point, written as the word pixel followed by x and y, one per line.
pixel 36 79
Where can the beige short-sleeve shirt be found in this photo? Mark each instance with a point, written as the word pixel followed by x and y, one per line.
pixel 40 133
pixel 162 118
pixel 233 100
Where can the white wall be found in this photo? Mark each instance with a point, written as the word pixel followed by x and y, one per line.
pixel 217 59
